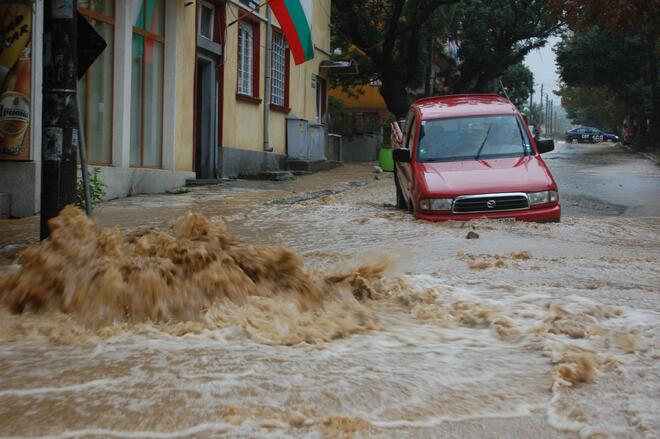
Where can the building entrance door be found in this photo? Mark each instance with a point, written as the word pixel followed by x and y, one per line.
pixel 206 117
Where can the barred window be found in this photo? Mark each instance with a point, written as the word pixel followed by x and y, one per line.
pixel 245 58
pixel 279 71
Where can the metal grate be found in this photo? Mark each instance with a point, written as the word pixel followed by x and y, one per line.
pixel 245 69
pixel 279 70
pixel 491 203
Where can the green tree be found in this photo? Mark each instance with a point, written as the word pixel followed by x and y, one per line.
pixel 630 17
pixel 385 38
pixel 495 35
pixel 603 76
pixel 391 41
pixel 593 106
pixel 518 81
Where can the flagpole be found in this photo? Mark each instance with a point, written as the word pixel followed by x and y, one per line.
pixel 245 14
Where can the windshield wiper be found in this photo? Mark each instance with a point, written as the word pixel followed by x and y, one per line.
pixel 476 157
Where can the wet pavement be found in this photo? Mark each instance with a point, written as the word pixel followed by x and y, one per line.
pixel 544 328
pixel 605 179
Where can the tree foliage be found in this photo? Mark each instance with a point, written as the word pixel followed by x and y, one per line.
pixel 593 106
pixel 618 15
pixel 618 43
pixel 384 37
pixel 518 81
pixel 497 34
pixel 389 40
pixel 603 77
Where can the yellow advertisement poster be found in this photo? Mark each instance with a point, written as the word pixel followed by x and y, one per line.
pixel 15 79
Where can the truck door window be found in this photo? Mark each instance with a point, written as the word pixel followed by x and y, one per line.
pixel 410 136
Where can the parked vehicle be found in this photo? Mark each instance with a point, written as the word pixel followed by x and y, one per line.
pixel 589 135
pixel 463 157
pixel 609 137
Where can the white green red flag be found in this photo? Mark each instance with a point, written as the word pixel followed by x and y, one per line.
pixel 295 22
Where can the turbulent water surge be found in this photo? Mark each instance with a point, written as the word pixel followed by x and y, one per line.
pixel 190 331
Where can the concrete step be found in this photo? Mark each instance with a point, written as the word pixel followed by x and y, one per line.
pixel 203 182
pixel 311 165
pixel 275 175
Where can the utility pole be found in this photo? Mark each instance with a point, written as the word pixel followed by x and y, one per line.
pixel 60 113
pixel 552 118
pixel 547 108
pixel 542 123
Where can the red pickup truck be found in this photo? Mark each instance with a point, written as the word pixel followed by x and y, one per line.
pixel 463 157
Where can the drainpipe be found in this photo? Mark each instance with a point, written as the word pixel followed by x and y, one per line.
pixel 267 73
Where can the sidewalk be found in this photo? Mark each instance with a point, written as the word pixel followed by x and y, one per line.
pixel 648 155
pixel 229 198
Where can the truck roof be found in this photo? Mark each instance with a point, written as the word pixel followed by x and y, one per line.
pixel 439 107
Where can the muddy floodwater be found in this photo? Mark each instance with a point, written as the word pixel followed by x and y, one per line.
pixel 322 311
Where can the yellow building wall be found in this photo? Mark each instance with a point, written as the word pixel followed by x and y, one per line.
pixel 361 97
pixel 185 85
pixel 243 121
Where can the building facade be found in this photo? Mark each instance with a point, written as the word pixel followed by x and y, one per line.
pixel 178 94
pixel 136 99
pixel 231 40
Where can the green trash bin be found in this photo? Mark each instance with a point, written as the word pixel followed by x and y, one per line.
pixel 385 159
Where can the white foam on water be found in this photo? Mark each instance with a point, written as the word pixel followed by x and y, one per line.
pixel 445 353
pixel 94 384
pixel 200 428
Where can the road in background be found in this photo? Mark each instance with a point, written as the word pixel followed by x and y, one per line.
pixel 604 179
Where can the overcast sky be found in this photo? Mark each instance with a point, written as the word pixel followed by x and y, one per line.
pixel 542 63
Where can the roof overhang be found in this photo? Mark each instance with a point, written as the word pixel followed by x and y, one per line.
pixel 339 67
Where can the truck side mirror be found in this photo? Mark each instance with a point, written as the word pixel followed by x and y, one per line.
pixel 545 145
pixel 401 155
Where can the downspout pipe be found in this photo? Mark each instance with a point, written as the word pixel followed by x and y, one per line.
pixel 267 79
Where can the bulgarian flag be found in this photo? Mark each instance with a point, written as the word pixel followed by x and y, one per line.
pixel 296 25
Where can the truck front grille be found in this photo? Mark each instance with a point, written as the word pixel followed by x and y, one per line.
pixel 491 203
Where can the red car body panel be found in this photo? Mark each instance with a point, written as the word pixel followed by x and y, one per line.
pixel 451 179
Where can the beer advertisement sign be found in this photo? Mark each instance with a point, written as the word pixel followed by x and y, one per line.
pixel 15 79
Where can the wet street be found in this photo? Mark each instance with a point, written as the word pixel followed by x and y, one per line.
pixel 598 180
pixel 394 327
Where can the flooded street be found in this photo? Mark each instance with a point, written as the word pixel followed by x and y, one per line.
pixel 375 324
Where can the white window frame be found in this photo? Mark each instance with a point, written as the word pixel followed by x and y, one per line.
pixel 245 59
pixel 278 71
pixel 210 7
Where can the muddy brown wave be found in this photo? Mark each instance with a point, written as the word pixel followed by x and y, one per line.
pixel 192 277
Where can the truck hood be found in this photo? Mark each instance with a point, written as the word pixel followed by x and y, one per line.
pixel 470 177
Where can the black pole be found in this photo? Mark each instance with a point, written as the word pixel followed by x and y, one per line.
pixel 60 119
pixel 82 152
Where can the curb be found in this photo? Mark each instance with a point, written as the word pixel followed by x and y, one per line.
pixel 646 155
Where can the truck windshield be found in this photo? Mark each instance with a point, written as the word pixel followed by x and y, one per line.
pixel 472 138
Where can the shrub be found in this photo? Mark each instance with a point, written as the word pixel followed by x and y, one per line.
pixel 97 189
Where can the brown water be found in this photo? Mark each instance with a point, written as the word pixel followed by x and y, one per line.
pixel 191 278
pixel 189 331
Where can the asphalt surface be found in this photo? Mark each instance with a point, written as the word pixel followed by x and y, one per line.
pixel 604 180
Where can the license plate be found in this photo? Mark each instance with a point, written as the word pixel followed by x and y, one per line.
pixel 505 220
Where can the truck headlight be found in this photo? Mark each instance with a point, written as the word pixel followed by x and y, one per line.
pixel 436 204
pixel 543 197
